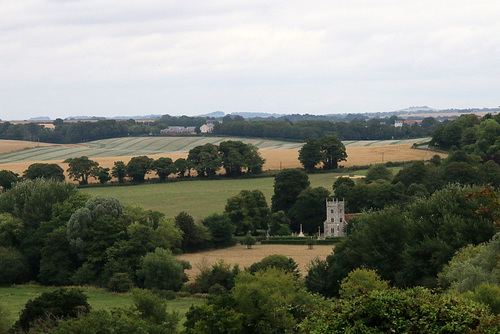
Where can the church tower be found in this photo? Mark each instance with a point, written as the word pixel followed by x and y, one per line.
pixel 335 219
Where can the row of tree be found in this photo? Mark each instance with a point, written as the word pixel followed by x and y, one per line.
pixel 236 157
pixel 346 129
pixel 357 129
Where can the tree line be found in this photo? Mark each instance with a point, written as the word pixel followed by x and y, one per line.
pixel 67 132
pixel 236 157
pixel 356 129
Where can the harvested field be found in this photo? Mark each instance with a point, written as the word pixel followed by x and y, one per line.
pixel 245 257
pixel 7 146
pixel 278 155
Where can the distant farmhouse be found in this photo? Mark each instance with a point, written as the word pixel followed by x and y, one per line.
pixel 179 130
pixel 208 127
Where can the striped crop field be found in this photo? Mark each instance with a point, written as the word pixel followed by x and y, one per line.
pixel 16 156
pixel 134 146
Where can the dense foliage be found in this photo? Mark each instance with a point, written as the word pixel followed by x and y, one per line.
pixel 408 245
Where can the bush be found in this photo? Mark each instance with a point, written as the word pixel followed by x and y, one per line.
pixel 161 270
pixel 120 282
pixel 14 266
pixel 58 304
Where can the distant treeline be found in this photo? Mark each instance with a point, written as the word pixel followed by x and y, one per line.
pixel 67 132
pixel 356 129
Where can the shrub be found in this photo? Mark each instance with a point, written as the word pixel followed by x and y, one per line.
pixel 120 282
pixel 58 304
pixel 14 266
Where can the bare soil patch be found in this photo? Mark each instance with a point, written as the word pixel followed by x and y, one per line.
pixel 245 257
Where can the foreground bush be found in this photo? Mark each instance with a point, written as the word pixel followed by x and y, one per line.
pixel 416 310
pixel 50 306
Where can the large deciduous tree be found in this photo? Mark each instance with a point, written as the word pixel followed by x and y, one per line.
pixel 161 270
pixel 310 154
pixel 237 155
pixel 81 168
pixel 248 211
pixel 163 167
pixel 287 186
pixel 205 159
pixel 47 171
pixel 138 167
pixel 119 171
pixel 194 236
pixel 309 209
pixel 7 179
pixel 333 150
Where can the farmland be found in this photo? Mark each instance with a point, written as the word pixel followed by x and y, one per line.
pixel 17 156
pixel 245 257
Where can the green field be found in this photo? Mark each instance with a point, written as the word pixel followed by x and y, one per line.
pixel 135 146
pixel 199 198
pixel 13 299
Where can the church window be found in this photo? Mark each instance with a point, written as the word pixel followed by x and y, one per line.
pixel 333 220
pixel 341 220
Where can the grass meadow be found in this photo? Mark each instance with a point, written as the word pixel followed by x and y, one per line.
pixel 199 198
pixel 13 299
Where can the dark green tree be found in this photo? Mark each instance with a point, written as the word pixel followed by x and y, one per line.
pixel 378 172
pixel 248 211
pixel 14 268
pixel 278 261
pixel 288 184
pixel 205 159
pixel 309 210
pixel 7 179
pixel 81 168
pixel 161 270
pixel 342 186
pixel 311 154
pixel 59 304
pixel 102 174
pixel 194 236
pixel 182 166
pixel 138 167
pixel 279 224
pixel 333 152
pixel 45 170
pixel 221 230
pixel 119 171
pixel 163 168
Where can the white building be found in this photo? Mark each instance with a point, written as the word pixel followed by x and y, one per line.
pixel 207 128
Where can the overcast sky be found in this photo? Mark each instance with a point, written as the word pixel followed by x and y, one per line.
pixel 61 58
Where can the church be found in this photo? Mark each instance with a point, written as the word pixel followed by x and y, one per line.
pixel 336 219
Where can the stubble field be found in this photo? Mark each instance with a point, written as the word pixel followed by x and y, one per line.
pixel 245 257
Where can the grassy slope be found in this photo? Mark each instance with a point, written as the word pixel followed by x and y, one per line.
pixel 13 299
pixel 198 198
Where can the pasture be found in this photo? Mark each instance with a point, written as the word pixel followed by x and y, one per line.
pixel 245 257
pixel 199 198
pixel 13 299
